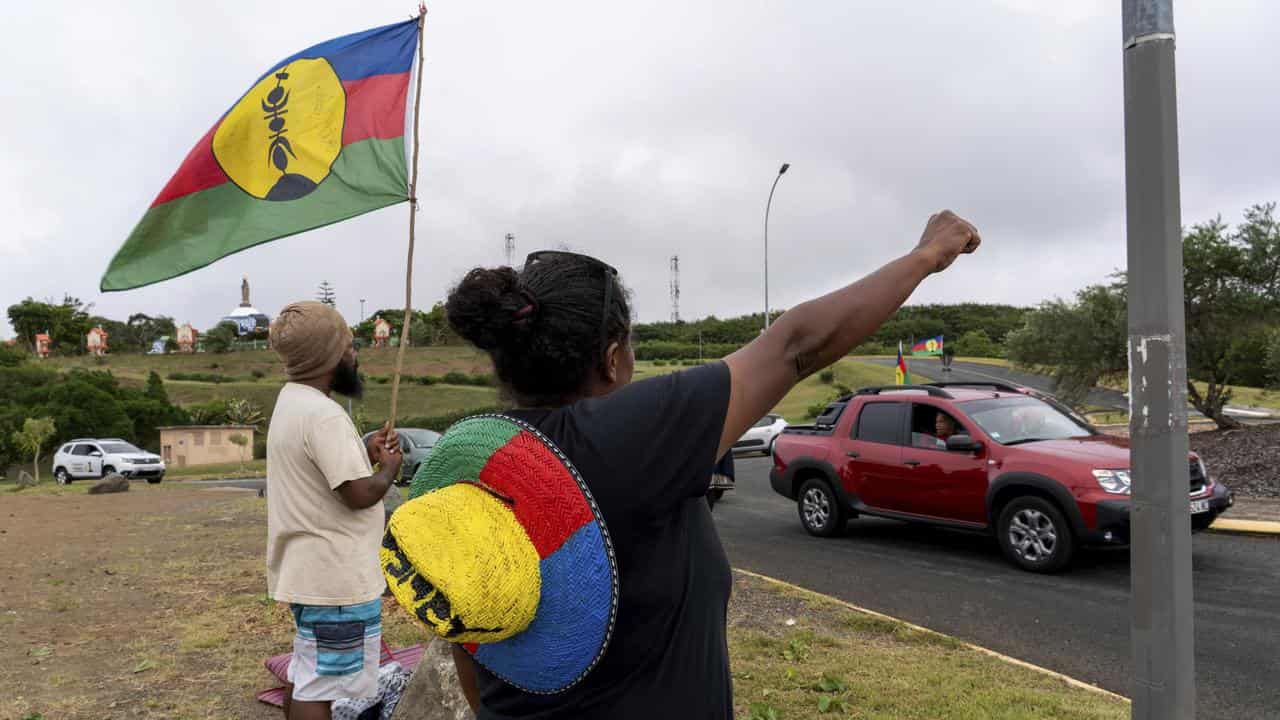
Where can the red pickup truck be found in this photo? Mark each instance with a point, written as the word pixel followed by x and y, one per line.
pixel 991 458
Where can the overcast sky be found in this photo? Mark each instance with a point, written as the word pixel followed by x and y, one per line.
pixel 635 131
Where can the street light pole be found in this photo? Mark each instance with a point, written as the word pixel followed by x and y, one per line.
pixel 361 309
pixel 1161 624
pixel 781 171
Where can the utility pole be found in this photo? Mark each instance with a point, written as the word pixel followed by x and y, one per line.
pixel 1161 626
pixel 510 248
pixel 675 288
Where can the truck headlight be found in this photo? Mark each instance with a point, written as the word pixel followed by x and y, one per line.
pixel 1113 481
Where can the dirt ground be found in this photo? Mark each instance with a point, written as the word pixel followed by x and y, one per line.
pixel 1247 460
pixel 146 604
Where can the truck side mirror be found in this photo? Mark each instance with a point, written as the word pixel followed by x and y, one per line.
pixel 963 443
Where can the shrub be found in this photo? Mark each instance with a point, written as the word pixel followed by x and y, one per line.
pixel 201 377
pixel 439 423
pixel 659 363
pixel 258 374
pixel 827 377
pixel 662 350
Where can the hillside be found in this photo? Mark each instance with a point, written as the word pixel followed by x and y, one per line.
pixel 256 375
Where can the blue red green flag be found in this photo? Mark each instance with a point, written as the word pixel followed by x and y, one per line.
pixel 319 138
pixel 932 346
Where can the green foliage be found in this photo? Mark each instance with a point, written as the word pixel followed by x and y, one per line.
pixel 257 374
pixel 1272 361
pixel 201 377
pixel 213 412
pixel 665 350
pixel 243 412
pixel 439 423
pixel 912 322
pixel 13 355
pixel 1231 284
pixel 83 408
pixel 762 711
pixel 155 388
pixel 827 377
pixel 33 438
pixel 66 322
pixel 425 328
pixel 221 338
pixel 1079 343
pixel 974 343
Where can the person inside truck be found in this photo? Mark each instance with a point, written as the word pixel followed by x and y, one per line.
pixel 944 426
pixel 558 331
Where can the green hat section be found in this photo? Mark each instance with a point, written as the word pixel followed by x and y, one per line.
pixel 462 453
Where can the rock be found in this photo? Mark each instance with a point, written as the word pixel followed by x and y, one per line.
pixel 25 480
pixel 110 484
pixel 434 692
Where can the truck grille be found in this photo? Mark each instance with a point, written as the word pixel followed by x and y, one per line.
pixel 1198 480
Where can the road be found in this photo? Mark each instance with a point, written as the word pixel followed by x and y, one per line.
pixel 1076 623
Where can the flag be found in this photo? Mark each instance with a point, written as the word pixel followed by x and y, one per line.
pixel 932 346
pixel 901 376
pixel 319 138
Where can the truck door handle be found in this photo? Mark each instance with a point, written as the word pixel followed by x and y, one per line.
pixel 852 454
pixel 912 463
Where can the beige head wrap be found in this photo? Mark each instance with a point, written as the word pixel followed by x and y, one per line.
pixel 311 338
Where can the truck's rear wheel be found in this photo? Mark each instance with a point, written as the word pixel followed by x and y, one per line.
pixel 1035 536
pixel 820 511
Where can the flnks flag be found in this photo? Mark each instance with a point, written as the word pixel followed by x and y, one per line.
pixel 901 376
pixel 932 346
pixel 319 138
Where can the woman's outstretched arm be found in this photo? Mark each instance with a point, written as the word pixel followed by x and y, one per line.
pixel 819 332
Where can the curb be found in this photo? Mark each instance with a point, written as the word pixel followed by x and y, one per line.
pixel 919 628
pixel 1245 527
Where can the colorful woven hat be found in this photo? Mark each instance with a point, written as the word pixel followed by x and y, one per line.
pixel 502 549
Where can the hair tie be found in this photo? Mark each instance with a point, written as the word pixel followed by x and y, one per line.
pixel 526 313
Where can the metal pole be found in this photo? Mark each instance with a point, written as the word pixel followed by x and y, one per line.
pixel 361 309
pixel 781 171
pixel 1161 629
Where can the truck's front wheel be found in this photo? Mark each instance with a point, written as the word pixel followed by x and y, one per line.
pixel 1035 536
pixel 820 510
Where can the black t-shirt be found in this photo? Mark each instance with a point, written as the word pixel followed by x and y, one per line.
pixel 645 452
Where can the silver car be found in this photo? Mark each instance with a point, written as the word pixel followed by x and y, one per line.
pixel 761 436
pixel 416 445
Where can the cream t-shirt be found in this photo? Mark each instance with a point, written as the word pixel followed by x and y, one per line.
pixel 319 551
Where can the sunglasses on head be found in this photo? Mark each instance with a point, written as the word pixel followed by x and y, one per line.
pixel 610 272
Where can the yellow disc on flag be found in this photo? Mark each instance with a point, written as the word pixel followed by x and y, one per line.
pixel 281 140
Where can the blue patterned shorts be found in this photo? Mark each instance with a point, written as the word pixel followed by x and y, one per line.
pixel 336 651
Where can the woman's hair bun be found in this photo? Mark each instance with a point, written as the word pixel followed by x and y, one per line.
pixel 481 308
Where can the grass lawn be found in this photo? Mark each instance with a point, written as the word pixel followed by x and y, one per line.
pixel 849 371
pixel 219 471
pixel 150 604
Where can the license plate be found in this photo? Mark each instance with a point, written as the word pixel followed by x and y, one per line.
pixel 1199 506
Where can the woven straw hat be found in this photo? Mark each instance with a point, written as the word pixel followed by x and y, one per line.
pixel 502 549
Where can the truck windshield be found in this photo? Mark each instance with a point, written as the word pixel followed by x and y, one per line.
pixel 1011 420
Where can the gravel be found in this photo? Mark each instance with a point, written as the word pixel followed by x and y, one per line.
pixel 1246 460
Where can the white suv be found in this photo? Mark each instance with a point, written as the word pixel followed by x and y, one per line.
pixel 87 458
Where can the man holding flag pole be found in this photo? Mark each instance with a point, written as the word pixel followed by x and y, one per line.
pixel 319 138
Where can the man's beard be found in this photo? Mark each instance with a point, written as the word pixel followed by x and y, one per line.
pixel 347 380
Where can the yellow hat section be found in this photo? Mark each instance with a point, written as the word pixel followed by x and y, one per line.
pixel 290 123
pixel 459 561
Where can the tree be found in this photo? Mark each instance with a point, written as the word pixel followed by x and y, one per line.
pixel 1231 283
pixel 66 322
pixel 31 439
pixel 240 441
pixel 1078 343
pixel 222 338
pixel 326 294
pixel 155 387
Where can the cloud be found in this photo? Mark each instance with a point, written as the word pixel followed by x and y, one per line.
pixel 641 131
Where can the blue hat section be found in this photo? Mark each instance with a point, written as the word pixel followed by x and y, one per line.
pixel 570 631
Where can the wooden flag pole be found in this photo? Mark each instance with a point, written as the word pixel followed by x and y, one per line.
pixel 413 215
